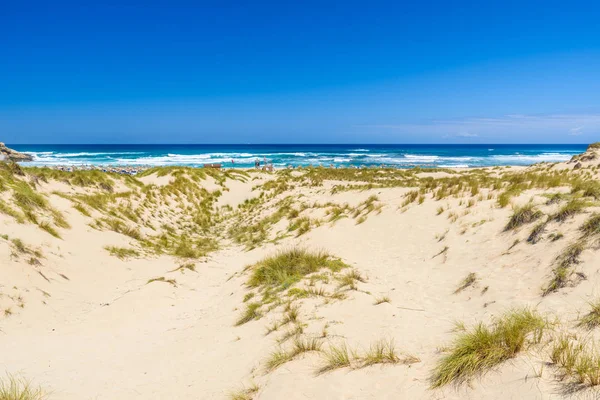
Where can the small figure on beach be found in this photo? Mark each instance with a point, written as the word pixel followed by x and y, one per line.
pixel 257 163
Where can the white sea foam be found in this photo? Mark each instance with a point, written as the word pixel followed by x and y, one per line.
pixel 454 166
pixel 421 158
pixel 521 159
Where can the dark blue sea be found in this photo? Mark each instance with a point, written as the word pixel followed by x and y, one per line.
pixel 243 156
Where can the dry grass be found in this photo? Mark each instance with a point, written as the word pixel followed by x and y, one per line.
pixel 13 388
pixel 577 361
pixel 562 272
pixel 251 312
pixel 245 393
pixel 384 352
pixel 536 233
pixel 469 280
pixel 288 267
pixel 122 252
pixel 381 300
pixel 592 319
pixel 300 346
pixel 476 351
pixel 523 215
pixel 335 357
pixel 591 226
pixel 573 207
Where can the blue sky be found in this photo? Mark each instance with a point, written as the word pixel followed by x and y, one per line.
pixel 307 72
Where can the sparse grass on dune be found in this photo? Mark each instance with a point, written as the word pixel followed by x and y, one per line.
pixel 587 189
pixel 577 361
pixel 349 280
pixel 289 266
pixel 382 351
pixel 562 272
pixel 300 346
pixel 381 300
pixel 591 320
pixel 335 357
pixel 523 215
pixel 573 207
pixel 13 388
pixel 469 280
pixel 476 351
pixel 122 252
pixel 591 226
pixel 536 233
pixel 245 393
pixel 49 228
pixel 251 312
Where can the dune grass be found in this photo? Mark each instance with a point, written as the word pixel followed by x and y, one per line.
pixel 476 351
pixel 122 252
pixel 469 280
pixel 577 361
pixel 49 228
pixel 300 346
pixel 381 300
pixel 172 282
pixel 245 393
pixel 562 272
pixel 536 233
pixel 335 357
pixel 13 388
pixel 591 320
pixel 287 267
pixel 591 226
pixel 380 352
pixel 523 215
pixel 570 209
pixel 251 312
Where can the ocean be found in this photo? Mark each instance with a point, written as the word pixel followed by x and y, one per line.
pixel 281 155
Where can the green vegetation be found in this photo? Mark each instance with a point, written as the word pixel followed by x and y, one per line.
pixel 536 233
pixel 300 346
pixel 483 347
pixel 122 252
pixel 335 357
pixel 470 279
pixel 573 207
pixel 381 352
pixel 289 266
pixel 381 300
pixel 523 215
pixel 251 312
pixel 12 388
pixel 591 320
pixel 245 394
pixel 592 225
pixel 577 361
pixel 563 271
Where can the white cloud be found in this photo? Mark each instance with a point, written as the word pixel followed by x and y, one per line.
pixel 517 127
pixel 576 131
pixel 466 134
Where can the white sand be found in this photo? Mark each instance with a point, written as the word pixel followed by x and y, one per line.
pixel 102 332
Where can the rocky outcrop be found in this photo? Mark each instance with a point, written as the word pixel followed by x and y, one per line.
pixel 7 154
pixel 591 154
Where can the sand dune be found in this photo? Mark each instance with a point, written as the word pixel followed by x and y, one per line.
pixel 123 288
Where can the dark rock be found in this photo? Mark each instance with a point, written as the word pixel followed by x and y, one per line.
pixel 577 166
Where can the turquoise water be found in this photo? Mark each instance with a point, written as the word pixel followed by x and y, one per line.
pixel 244 156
